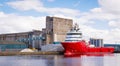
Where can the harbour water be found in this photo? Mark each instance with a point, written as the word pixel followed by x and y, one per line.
pixel 60 60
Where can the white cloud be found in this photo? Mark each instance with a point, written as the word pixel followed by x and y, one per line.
pixel 51 0
pixel 98 13
pixel 37 5
pixel 15 23
pixel 64 11
pixel 26 4
pixel 115 24
pixel 2 15
pixel 111 6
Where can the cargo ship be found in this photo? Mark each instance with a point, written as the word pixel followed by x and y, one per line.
pixel 74 44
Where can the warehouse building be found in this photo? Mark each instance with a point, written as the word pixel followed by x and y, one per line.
pixel 55 32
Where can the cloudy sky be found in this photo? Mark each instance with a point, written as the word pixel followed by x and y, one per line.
pixel 96 18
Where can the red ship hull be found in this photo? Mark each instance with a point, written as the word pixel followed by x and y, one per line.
pixel 81 48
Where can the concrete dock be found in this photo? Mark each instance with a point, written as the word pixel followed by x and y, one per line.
pixel 36 53
pixel 31 53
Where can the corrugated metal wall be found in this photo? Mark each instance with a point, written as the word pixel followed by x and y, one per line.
pixel 12 47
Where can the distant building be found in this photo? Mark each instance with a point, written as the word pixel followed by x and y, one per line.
pixel 116 46
pixel 55 32
pixel 96 42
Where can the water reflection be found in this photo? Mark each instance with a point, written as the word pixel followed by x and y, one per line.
pixel 60 60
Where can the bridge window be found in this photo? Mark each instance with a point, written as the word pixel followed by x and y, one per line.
pixel 74 33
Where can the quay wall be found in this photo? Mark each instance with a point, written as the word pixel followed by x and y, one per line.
pixel 31 53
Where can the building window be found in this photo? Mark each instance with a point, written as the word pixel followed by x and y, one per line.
pixel 51 19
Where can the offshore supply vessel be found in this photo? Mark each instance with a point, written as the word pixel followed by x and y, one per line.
pixel 74 44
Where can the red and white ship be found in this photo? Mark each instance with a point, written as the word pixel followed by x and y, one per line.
pixel 74 44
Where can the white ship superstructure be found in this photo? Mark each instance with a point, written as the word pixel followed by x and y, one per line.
pixel 74 34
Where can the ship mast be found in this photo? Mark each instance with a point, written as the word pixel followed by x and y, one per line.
pixel 75 27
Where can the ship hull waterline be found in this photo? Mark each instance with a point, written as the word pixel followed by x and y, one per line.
pixel 80 47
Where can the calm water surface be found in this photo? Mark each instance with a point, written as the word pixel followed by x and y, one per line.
pixel 60 60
